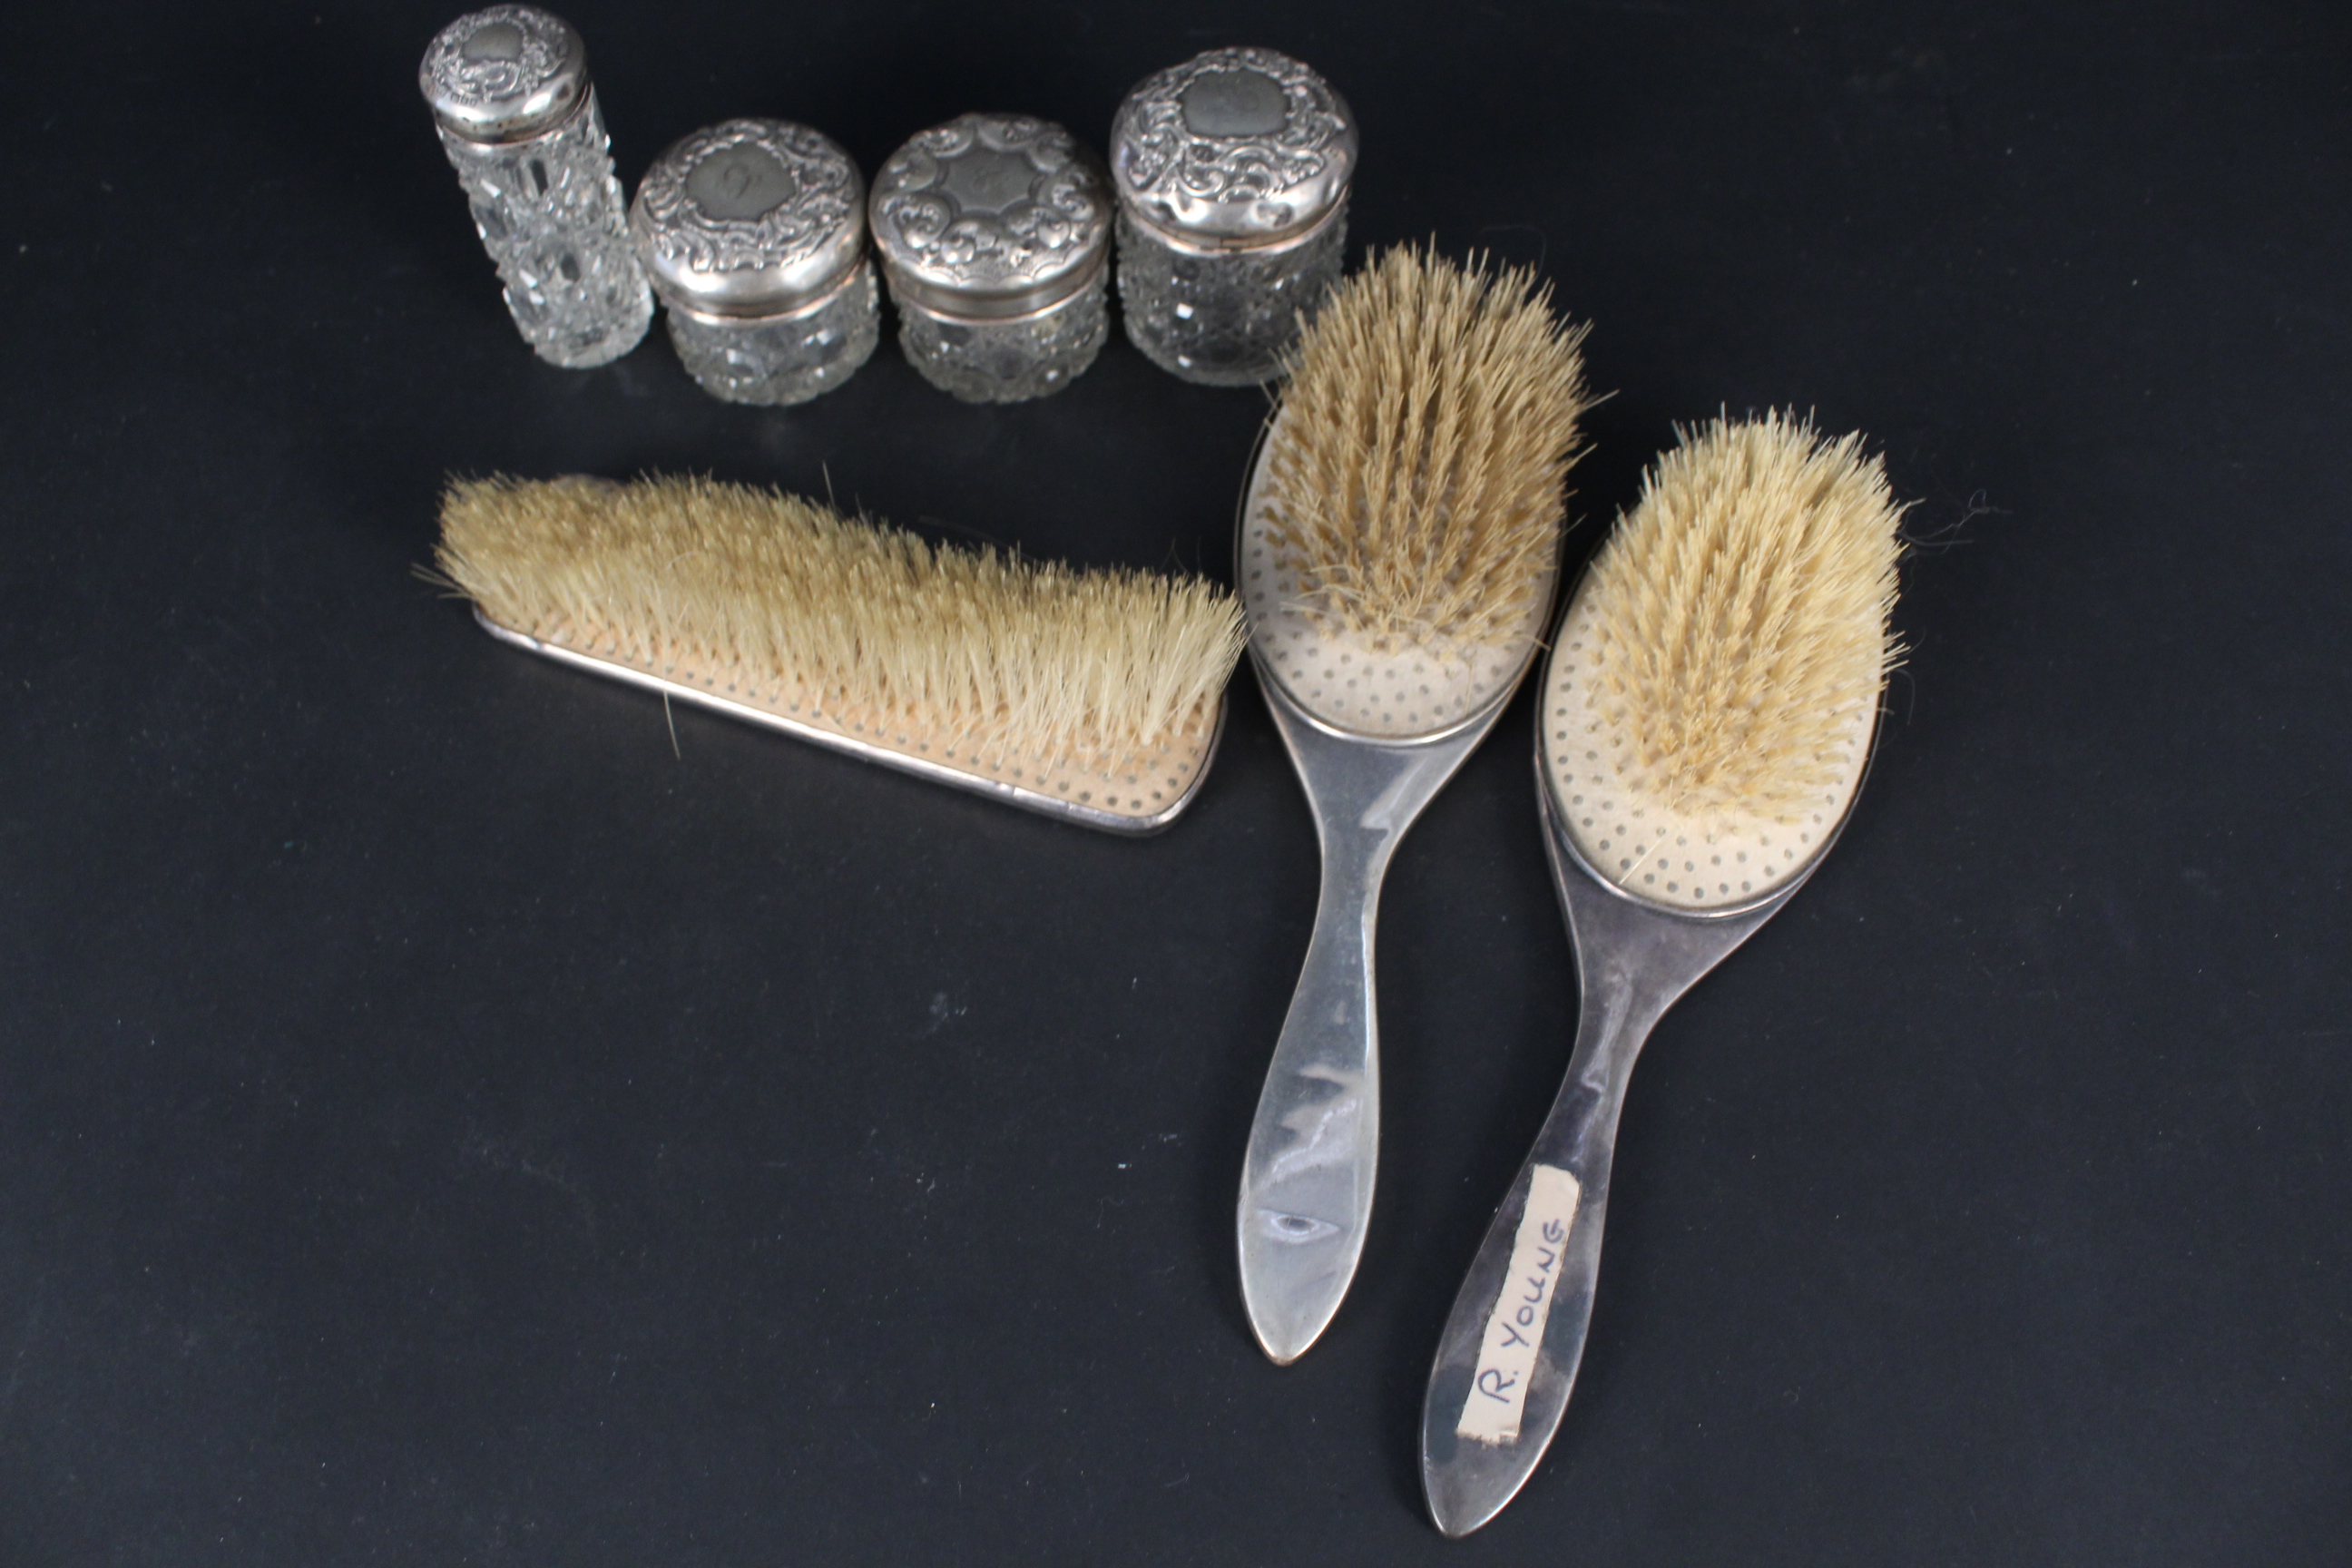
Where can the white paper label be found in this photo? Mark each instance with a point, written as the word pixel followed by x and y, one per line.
pixel 1514 1329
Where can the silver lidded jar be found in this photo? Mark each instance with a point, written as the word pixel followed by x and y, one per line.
pixel 994 231
pixel 510 92
pixel 753 232
pixel 1232 171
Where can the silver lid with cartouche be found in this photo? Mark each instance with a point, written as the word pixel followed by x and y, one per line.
pixel 749 218
pixel 991 217
pixel 506 74
pixel 1233 149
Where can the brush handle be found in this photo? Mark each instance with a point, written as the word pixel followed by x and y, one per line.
pixel 1508 1359
pixel 1307 1181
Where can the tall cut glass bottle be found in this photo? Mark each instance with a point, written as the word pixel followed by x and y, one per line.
pixel 518 116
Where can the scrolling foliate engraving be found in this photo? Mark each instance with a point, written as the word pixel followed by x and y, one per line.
pixel 990 200
pixel 505 52
pixel 1164 151
pixel 816 192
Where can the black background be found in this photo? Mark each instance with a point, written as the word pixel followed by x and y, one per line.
pixel 442 1123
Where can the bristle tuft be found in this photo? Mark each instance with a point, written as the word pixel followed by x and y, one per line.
pixel 1025 658
pixel 1428 422
pixel 1742 617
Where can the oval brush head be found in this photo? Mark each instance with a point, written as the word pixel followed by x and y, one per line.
pixel 1095 695
pixel 1403 527
pixel 1715 681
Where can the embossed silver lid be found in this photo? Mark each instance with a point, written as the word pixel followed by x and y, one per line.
pixel 749 218
pixel 505 74
pixel 1233 148
pixel 991 216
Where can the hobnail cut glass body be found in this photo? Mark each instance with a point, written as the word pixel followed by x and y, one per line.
pixel 786 360
pixel 551 216
pixel 1008 362
pixel 1222 319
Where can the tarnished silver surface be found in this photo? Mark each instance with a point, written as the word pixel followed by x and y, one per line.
pixel 1011 794
pixel 1308 1174
pixel 1634 959
pixel 1231 149
pixel 749 218
pixel 1314 1146
pixel 504 74
pixel 991 216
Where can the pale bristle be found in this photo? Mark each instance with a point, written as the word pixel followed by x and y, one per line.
pixel 1741 613
pixel 1429 419
pixel 1025 658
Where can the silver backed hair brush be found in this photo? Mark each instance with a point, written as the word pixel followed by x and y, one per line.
pixel 1709 706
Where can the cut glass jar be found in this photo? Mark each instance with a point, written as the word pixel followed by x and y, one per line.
pixel 1232 171
pixel 994 232
pixel 753 232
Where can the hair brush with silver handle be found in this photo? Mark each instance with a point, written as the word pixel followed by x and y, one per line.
pixel 1397 550
pixel 1707 712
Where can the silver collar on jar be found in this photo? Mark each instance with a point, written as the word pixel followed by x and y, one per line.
pixel 1233 150
pixel 991 217
pixel 751 220
pixel 506 74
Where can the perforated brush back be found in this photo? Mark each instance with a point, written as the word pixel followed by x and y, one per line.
pixel 1715 682
pixel 1100 689
pixel 1401 539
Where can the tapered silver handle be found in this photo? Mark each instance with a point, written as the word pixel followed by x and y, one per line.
pixel 1509 1356
pixel 1508 1359
pixel 1314 1148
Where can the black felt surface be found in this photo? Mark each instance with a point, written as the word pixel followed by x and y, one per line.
pixel 441 1122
